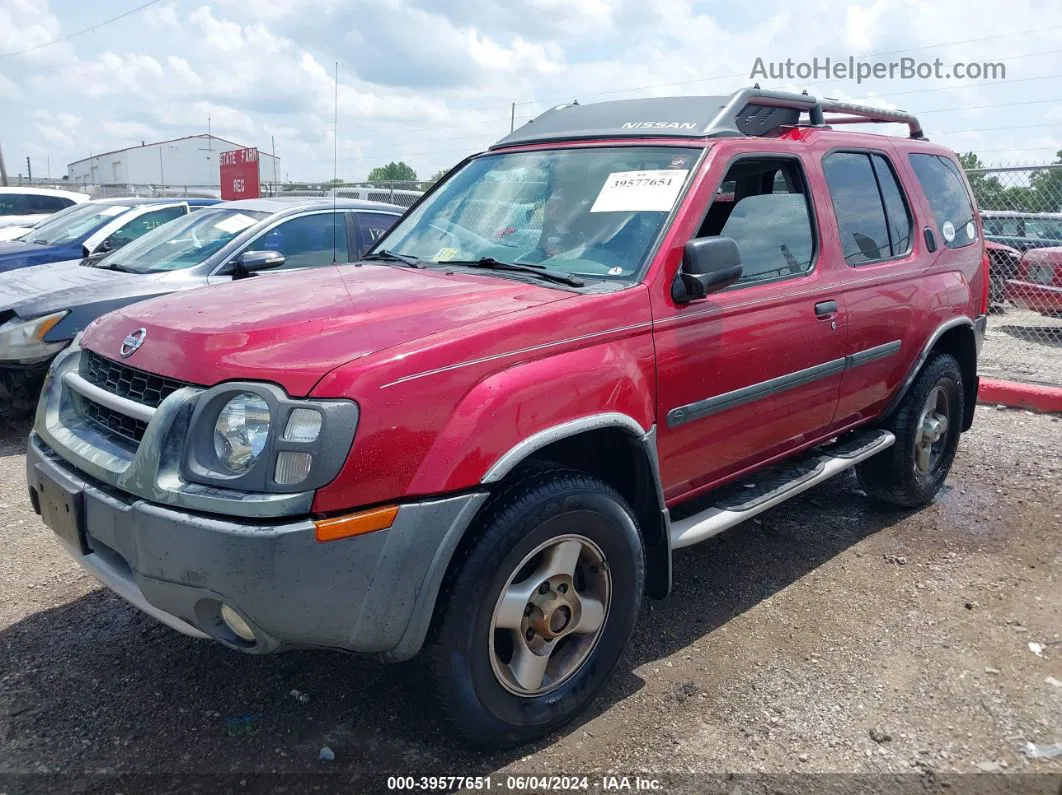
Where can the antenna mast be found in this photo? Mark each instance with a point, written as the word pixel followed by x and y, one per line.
pixel 335 164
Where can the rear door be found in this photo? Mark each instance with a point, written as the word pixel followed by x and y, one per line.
pixel 884 267
pixel 752 372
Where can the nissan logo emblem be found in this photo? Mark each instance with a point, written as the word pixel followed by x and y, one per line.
pixel 132 343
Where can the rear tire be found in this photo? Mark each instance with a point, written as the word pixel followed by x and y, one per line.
pixel 537 609
pixel 927 427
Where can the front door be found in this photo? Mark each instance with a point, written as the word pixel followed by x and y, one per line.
pixel 751 372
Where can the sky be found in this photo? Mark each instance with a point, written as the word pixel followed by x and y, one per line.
pixel 431 81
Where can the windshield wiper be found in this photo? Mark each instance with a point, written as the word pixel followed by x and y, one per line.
pixel 389 256
pixel 534 270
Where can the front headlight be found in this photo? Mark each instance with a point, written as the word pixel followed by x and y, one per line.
pixel 251 436
pixel 241 432
pixel 23 340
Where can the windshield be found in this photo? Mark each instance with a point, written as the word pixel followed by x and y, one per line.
pixel 78 223
pixel 591 212
pixel 1044 229
pixel 182 243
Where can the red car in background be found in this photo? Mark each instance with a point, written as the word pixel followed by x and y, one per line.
pixel 1038 282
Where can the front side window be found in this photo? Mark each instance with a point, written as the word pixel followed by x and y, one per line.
pixel 953 212
pixel 763 207
pixel 588 212
pixel 307 241
pixel 184 243
pixel 13 204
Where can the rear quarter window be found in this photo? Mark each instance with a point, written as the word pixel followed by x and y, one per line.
pixel 949 201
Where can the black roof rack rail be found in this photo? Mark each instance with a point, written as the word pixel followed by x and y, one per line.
pixel 749 111
pixel 756 111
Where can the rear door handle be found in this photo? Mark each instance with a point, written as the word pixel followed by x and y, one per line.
pixel 825 309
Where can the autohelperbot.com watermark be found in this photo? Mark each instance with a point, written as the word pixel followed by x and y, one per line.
pixel 859 70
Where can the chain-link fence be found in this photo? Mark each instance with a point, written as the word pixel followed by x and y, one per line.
pixel 1022 212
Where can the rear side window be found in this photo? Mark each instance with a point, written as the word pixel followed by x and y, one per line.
pixel 953 212
pixel 869 205
pixel 897 215
pixel 47 204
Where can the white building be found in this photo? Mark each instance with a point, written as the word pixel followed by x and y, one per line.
pixel 192 160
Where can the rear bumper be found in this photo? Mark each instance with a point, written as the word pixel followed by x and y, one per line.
pixel 371 594
pixel 1041 298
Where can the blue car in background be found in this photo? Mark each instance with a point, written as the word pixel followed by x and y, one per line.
pixel 93 229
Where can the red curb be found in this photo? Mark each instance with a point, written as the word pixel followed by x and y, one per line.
pixel 1035 397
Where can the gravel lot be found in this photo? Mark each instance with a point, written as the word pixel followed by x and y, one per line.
pixel 829 636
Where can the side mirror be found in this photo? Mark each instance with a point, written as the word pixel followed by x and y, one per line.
pixel 708 264
pixel 250 262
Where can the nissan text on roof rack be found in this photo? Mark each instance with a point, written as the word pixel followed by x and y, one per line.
pixel 582 350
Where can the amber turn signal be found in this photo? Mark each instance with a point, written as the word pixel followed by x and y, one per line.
pixel 355 524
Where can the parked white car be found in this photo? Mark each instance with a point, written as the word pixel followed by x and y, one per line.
pixel 25 206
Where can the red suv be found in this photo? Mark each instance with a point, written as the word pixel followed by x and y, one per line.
pixel 623 329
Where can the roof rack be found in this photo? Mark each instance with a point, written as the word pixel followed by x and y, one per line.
pixel 754 111
pixel 749 111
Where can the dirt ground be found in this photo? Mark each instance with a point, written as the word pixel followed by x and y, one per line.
pixel 829 636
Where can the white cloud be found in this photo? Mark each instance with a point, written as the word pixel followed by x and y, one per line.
pixel 432 80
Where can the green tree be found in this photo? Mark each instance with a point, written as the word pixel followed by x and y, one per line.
pixel 987 189
pixel 393 172
pixel 438 175
pixel 335 181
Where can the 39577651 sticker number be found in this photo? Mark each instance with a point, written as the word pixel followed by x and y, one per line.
pixel 640 191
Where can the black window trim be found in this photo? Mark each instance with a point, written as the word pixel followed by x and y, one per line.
pixel 808 200
pixel 892 258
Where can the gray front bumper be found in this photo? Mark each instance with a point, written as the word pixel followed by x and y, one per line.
pixel 371 594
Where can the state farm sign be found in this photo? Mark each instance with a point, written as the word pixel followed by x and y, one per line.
pixel 239 174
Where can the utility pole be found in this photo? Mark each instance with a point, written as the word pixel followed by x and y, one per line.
pixel 273 140
pixel 29 170
pixel 512 118
pixel 3 169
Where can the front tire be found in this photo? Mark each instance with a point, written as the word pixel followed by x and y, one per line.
pixel 927 427
pixel 537 609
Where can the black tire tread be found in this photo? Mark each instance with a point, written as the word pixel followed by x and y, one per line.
pixel 882 476
pixel 530 485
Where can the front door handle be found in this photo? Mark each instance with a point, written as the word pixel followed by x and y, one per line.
pixel 825 309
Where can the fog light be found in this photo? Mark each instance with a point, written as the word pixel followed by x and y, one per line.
pixel 292 468
pixel 239 627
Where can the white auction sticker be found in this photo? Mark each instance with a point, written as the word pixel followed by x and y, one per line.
pixel 640 191
pixel 235 223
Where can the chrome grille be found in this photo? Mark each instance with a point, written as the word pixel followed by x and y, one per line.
pixel 127 382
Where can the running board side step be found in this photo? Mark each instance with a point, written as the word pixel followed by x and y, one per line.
pixel 800 477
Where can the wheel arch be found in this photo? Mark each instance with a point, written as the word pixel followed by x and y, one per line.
pixel 615 449
pixel 957 338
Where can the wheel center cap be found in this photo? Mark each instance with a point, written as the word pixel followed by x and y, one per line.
pixel 559 619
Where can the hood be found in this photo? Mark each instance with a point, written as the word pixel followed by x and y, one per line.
pixel 16 254
pixel 292 328
pixel 64 285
